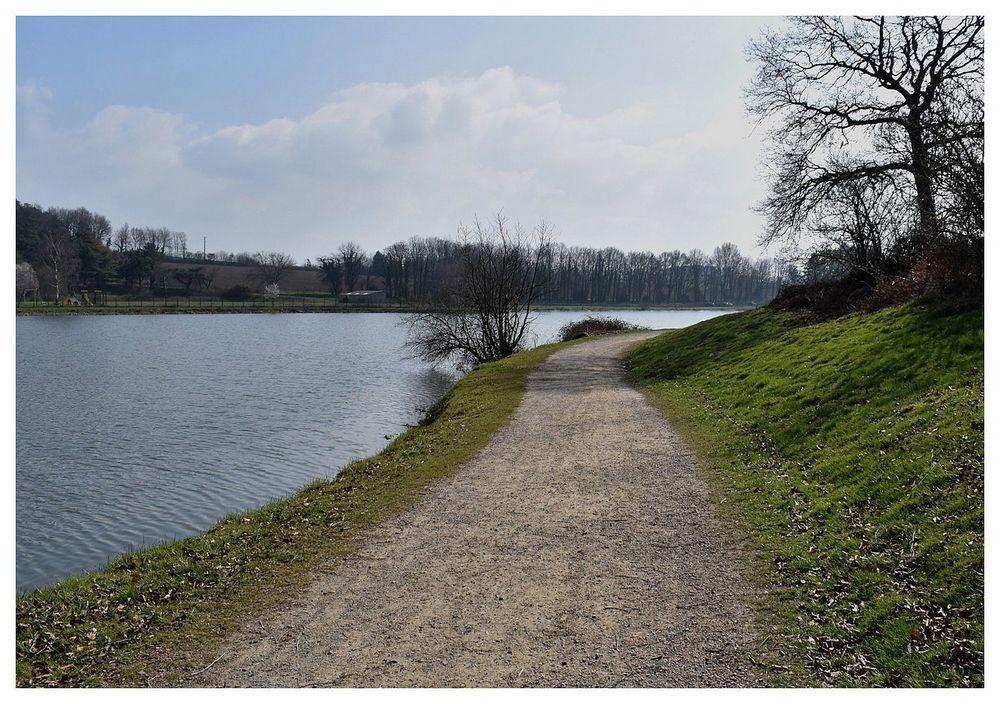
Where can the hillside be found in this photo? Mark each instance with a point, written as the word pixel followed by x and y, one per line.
pixel 850 453
pixel 225 276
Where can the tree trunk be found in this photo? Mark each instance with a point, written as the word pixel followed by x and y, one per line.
pixel 926 208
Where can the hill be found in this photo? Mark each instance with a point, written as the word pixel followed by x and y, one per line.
pixel 850 453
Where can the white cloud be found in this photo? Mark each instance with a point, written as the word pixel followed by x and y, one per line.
pixel 33 94
pixel 381 162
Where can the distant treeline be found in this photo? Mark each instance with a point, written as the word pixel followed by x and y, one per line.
pixel 61 251
pixel 417 269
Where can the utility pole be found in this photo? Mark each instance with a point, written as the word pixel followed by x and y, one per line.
pixel 204 248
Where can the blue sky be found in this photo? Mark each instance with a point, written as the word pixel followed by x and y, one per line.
pixel 300 133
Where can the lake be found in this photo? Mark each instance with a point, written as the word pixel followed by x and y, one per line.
pixel 133 430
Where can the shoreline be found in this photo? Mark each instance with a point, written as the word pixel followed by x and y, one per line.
pixel 62 311
pixel 773 468
pixel 115 625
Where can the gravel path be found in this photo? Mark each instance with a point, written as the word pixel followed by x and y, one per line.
pixel 579 548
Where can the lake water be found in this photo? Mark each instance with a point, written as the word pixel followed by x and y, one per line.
pixel 132 430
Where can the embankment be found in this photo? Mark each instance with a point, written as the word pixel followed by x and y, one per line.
pixel 116 626
pixel 850 455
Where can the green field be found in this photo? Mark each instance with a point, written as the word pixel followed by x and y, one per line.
pixel 849 456
pixel 154 614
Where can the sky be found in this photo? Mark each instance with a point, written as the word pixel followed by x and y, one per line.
pixel 297 134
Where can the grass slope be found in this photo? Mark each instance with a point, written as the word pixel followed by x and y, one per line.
pixel 153 615
pixel 850 453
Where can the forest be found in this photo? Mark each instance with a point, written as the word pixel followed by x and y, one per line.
pixel 65 252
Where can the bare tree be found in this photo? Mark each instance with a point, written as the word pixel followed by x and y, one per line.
pixel 863 97
pixel 162 237
pixel 271 267
pixel 121 238
pixel 485 309
pixel 60 260
pixel 859 223
pixel 352 259
pixel 696 265
pixel 961 174
pixel 727 261
pixel 178 244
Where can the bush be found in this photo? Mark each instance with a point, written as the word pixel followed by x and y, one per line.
pixel 949 275
pixel 595 325
pixel 237 293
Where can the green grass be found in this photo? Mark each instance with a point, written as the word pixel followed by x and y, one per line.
pixel 849 454
pixel 155 614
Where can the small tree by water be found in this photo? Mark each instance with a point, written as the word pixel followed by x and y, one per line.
pixel 484 310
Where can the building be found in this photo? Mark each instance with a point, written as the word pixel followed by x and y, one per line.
pixel 364 297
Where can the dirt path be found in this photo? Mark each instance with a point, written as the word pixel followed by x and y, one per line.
pixel 578 549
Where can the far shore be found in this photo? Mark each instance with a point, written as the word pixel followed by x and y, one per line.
pixel 160 307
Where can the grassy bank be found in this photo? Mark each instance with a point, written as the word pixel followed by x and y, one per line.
pixel 154 615
pixel 850 455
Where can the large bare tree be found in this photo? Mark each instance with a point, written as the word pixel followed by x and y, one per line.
pixel 862 98
pixel 484 310
pixel 269 268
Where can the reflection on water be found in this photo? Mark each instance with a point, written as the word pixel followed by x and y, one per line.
pixel 132 430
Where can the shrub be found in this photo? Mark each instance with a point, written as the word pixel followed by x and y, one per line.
pixel 237 293
pixel 949 275
pixel 595 325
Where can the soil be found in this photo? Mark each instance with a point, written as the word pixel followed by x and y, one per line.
pixel 579 548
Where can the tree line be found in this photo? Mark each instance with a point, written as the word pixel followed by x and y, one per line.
pixel 419 269
pixel 61 251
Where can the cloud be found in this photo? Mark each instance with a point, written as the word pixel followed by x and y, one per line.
pixel 32 94
pixel 384 161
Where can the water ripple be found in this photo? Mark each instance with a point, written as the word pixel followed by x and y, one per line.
pixel 133 430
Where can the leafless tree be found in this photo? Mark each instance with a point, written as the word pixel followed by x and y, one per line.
pixel 420 271
pixel 727 261
pixel 352 259
pixel 849 99
pixel 121 238
pixel 177 246
pixel 60 260
pixel 961 173
pixel 485 309
pixel 860 222
pixel 271 267
pixel 81 222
